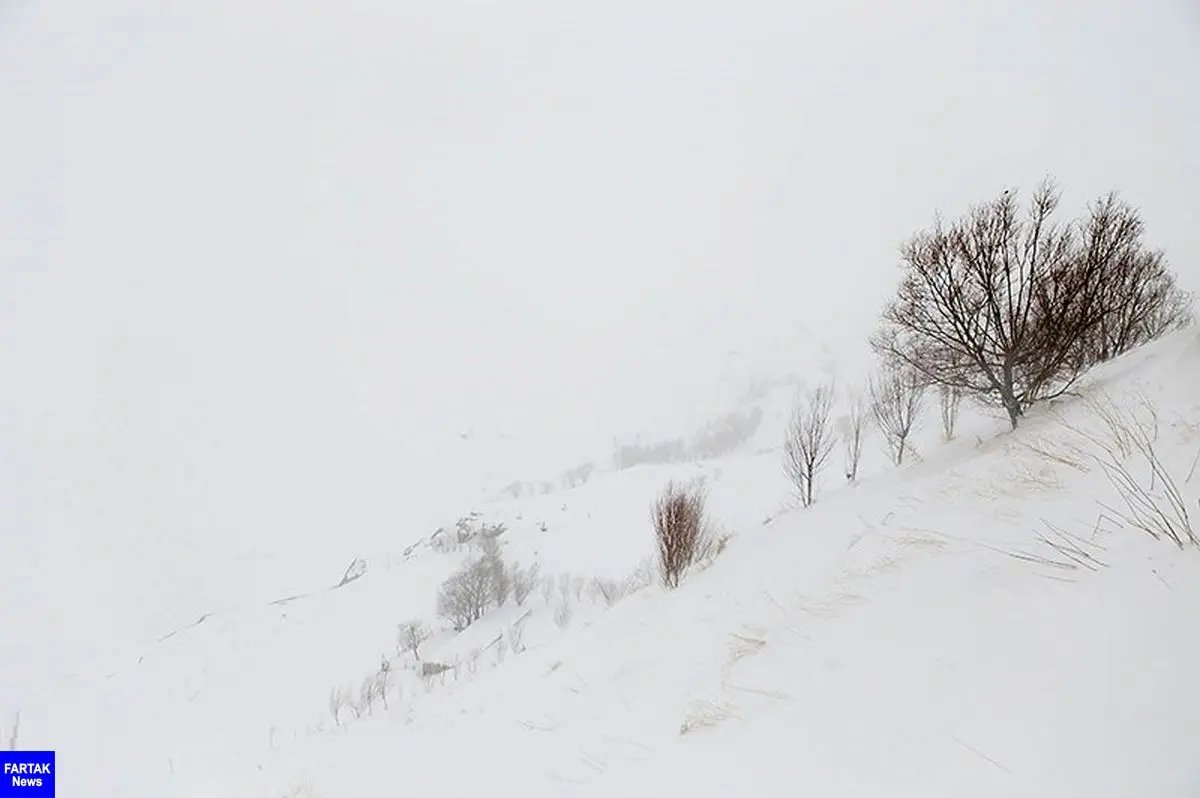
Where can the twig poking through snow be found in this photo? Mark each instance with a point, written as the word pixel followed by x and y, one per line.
pixel 354 570
pixel 15 733
pixel 980 754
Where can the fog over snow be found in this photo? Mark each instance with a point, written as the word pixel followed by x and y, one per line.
pixel 281 276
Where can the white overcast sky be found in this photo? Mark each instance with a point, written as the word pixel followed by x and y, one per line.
pixel 261 261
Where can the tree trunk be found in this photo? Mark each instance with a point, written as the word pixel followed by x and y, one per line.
pixel 1008 396
pixel 1014 414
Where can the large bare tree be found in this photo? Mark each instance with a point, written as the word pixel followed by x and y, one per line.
pixel 1010 306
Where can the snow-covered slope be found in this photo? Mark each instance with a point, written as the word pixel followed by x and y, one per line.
pixel 980 621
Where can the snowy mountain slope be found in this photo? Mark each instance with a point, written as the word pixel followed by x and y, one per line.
pixel 915 634
pixel 286 286
pixel 902 649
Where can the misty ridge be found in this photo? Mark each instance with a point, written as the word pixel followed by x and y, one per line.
pixel 717 438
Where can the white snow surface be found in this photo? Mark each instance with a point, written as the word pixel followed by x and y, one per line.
pixel 894 639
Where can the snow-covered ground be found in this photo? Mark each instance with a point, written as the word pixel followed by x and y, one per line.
pixel 979 621
pixel 287 286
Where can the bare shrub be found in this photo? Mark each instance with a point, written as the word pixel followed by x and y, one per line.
pixel 410 636
pixel 339 699
pixel 896 399
pixel 466 528
pixel 364 704
pixel 809 441
pixel 852 428
pixel 579 475
pixel 371 692
pixel 1013 307
pixel 361 705
pixel 548 584
pixel 473 660
pixel 523 581
pixel 469 530
pixel 487 530
pixel 516 637
pixel 608 590
pixel 383 681
pixel 442 541
pixel 949 398
pixel 492 560
pixel 717 545
pixel 466 595
pixel 642 576
pixel 680 529
pixel 564 612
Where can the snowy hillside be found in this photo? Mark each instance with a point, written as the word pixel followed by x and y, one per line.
pixel 986 620
pixel 346 345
